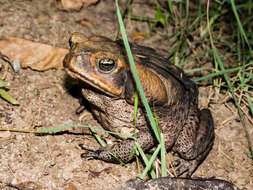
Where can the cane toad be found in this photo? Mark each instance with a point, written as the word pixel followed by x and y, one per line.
pixel 103 66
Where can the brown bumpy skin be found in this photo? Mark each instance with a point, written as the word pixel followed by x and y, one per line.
pixel 167 183
pixel 103 65
pixel 121 152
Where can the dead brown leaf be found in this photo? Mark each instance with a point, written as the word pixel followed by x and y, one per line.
pixel 139 35
pixel 34 55
pixel 85 22
pixel 69 5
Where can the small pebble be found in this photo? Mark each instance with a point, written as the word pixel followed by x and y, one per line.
pixel 16 65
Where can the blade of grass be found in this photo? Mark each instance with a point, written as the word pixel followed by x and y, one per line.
pixel 119 160
pixel 127 7
pixel 152 172
pixel 7 97
pixel 141 18
pixel 156 119
pixel 250 103
pixel 163 157
pixel 74 126
pixel 136 102
pixel 100 141
pixel 186 15
pixel 238 46
pixel 140 91
pixel 61 128
pixel 222 72
pixel 151 161
pixel 240 26
pixel 199 16
pixel 3 83
pixel 171 9
pixel 197 70
pixel 159 16
pixel 17 130
pixel 135 75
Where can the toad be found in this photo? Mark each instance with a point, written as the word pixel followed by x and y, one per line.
pixel 102 64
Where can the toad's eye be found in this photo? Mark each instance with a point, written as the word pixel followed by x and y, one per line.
pixel 106 65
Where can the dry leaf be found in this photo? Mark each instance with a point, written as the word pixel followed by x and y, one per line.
pixel 139 35
pixel 35 55
pixel 69 5
pixel 85 22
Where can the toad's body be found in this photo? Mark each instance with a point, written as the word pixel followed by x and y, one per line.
pixel 103 65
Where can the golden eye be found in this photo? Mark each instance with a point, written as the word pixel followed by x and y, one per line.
pixel 106 65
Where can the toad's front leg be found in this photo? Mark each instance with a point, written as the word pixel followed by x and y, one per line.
pixel 122 151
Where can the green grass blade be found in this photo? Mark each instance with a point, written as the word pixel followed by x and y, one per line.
pixel 239 46
pixel 152 172
pixel 250 103
pixel 163 157
pixel 3 83
pixel 150 162
pixel 159 16
pixel 240 26
pixel 222 72
pixel 135 75
pixel 141 18
pixel 61 128
pixel 186 14
pixel 100 141
pixel 171 9
pixel 136 102
pixel 5 95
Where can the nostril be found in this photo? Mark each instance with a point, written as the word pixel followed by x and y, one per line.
pixel 72 45
pixel 66 60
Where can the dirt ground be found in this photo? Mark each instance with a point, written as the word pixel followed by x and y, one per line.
pixel 53 161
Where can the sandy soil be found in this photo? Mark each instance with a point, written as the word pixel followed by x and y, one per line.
pixel 53 161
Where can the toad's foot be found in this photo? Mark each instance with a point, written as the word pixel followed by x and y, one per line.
pixel 101 154
pixel 123 151
pixel 94 152
pixel 185 168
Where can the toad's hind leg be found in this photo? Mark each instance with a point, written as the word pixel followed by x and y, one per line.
pixel 195 140
pixel 124 150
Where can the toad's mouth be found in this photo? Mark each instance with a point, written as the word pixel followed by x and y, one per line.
pixel 91 84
